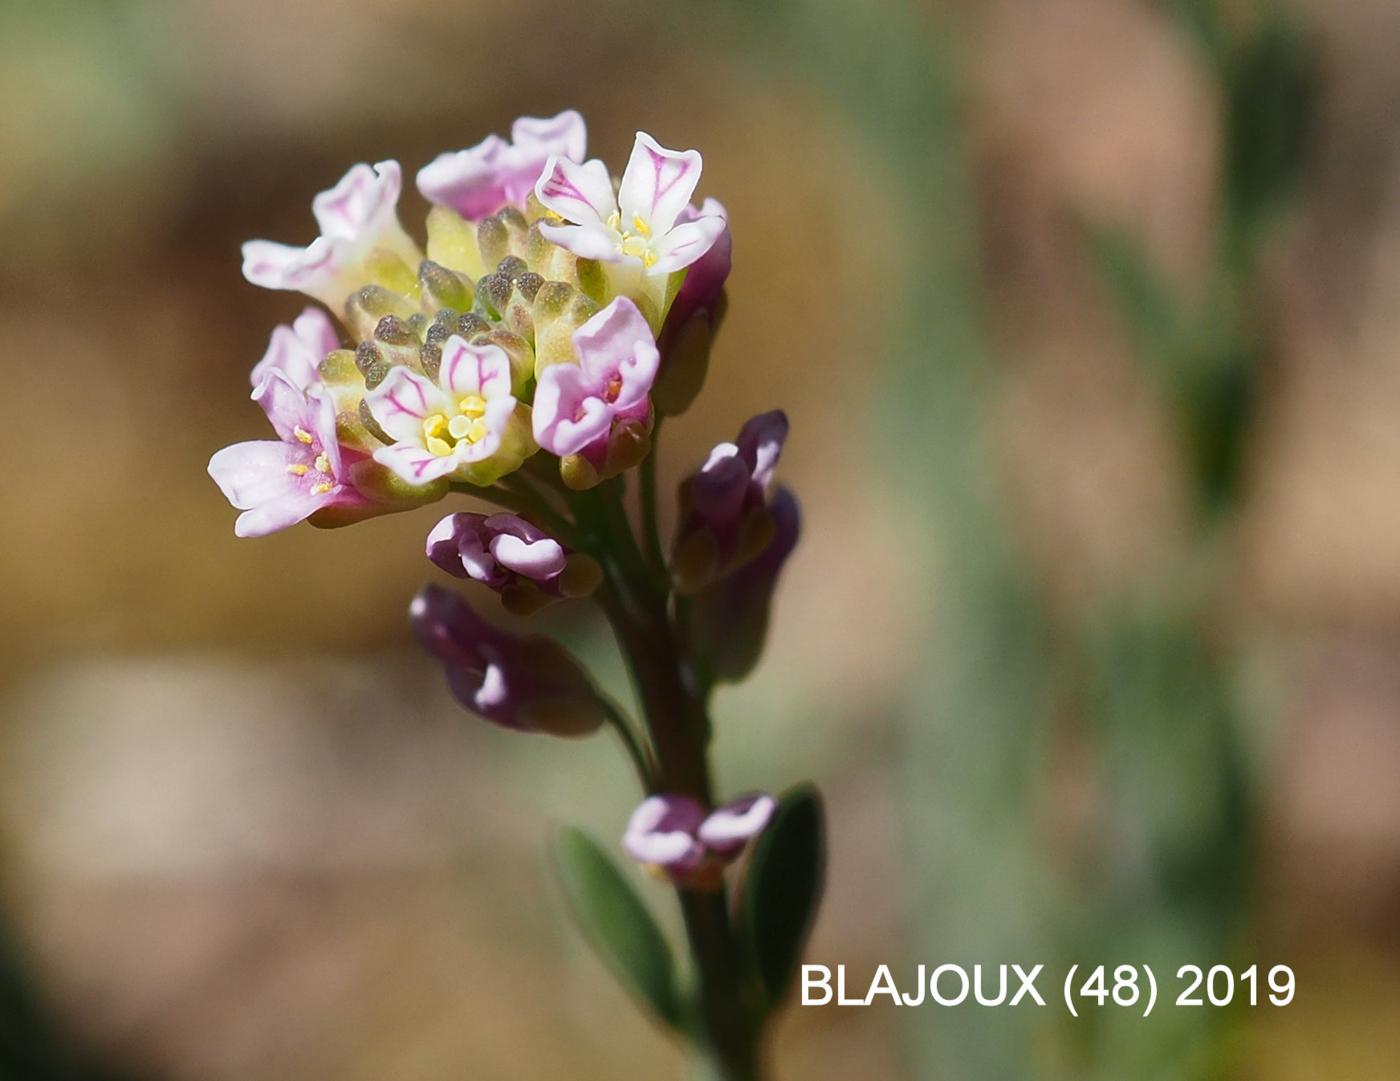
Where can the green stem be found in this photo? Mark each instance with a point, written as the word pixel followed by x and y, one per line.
pixel 674 705
pixel 651 524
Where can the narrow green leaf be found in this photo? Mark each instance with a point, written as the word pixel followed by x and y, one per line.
pixel 616 923
pixel 783 889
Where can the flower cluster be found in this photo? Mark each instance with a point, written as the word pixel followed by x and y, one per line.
pixel 523 354
pixel 529 322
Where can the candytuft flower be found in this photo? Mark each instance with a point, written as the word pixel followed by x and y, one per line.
pixel 673 835
pixel 580 408
pixel 493 174
pixel 468 426
pixel 642 222
pixel 517 559
pixel 296 350
pixel 360 240
pixel 277 483
pixel 529 683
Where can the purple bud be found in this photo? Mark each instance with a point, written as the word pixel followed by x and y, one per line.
pixel 673 833
pixel 527 683
pixel 515 558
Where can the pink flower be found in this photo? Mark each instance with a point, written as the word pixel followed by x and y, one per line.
pixel 357 217
pixel 673 833
pixel 468 425
pixel 576 406
pixel 644 222
pixel 277 483
pixel 481 180
pixel 297 350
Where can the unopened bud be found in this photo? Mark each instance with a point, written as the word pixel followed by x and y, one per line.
pixel 366 307
pixel 578 473
pixel 581 576
pixel 443 288
pixel 452 242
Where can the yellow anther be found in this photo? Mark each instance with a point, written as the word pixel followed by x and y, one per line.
pixel 302 435
pixel 634 246
pixel 649 258
pixel 473 405
pixel 297 470
pixel 640 227
pixel 439 447
pixel 477 432
pixel 321 489
pixel 434 425
pixel 457 427
pixel 323 463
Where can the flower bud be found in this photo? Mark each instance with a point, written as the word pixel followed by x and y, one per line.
pixel 504 552
pixel 672 836
pixel 526 683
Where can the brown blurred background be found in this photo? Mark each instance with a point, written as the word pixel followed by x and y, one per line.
pixel 243 831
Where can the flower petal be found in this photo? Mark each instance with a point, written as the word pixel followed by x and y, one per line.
pixel 250 474
pixel 298 349
pixel 661 831
pixel 657 184
pixel 730 827
pixel 281 266
pixel 413 463
pixel 293 418
pixel 468 368
pixel 540 559
pixel 564 134
pixel 592 241
pixel 402 402
pixel 686 244
pixel 361 202
pixel 568 415
pixel 582 194
pixel 617 343
pixel 282 513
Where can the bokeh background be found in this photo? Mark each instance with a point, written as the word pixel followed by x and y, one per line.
pixel 1087 314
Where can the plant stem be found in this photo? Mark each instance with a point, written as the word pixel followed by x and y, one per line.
pixel 674 705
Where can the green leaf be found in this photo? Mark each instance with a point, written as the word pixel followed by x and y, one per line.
pixel 616 923
pixel 783 889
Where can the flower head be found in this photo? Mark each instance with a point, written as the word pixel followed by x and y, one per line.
pixel 468 425
pixel 528 683
pixel 493 174
pixel 517 559
pixel 579 407
pixel 674 835
pixel 642 222
pixel 358 219
pixel 277 483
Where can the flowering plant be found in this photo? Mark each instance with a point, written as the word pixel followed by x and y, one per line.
pixel 527 357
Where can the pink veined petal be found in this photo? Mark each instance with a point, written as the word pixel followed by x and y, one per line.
pixel 362 200
pixel 298 350
pixel 402 402
pixel 253 473
pixel 413 463
pixel 472 181
pixel 280 513
pixel 685 244
pixel 541 559
pixel 498 414
pixel 657 184
pixel 280 266
pixel 595 241
pixel 617 342
pixel 568 415
pixel 468 368
pixel 564 134
pixel 582 194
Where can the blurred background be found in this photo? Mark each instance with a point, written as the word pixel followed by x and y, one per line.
pixel 1085 312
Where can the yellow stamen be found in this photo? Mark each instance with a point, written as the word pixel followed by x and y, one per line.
pixel 440 447
pixel 321 489
pixel 323 463
pixel 473 405
pixel 477 432
pixel 458 427
pixel 302 434
pixel 297 470
pixel 649 258
pixel 641 227
pixel 634 246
